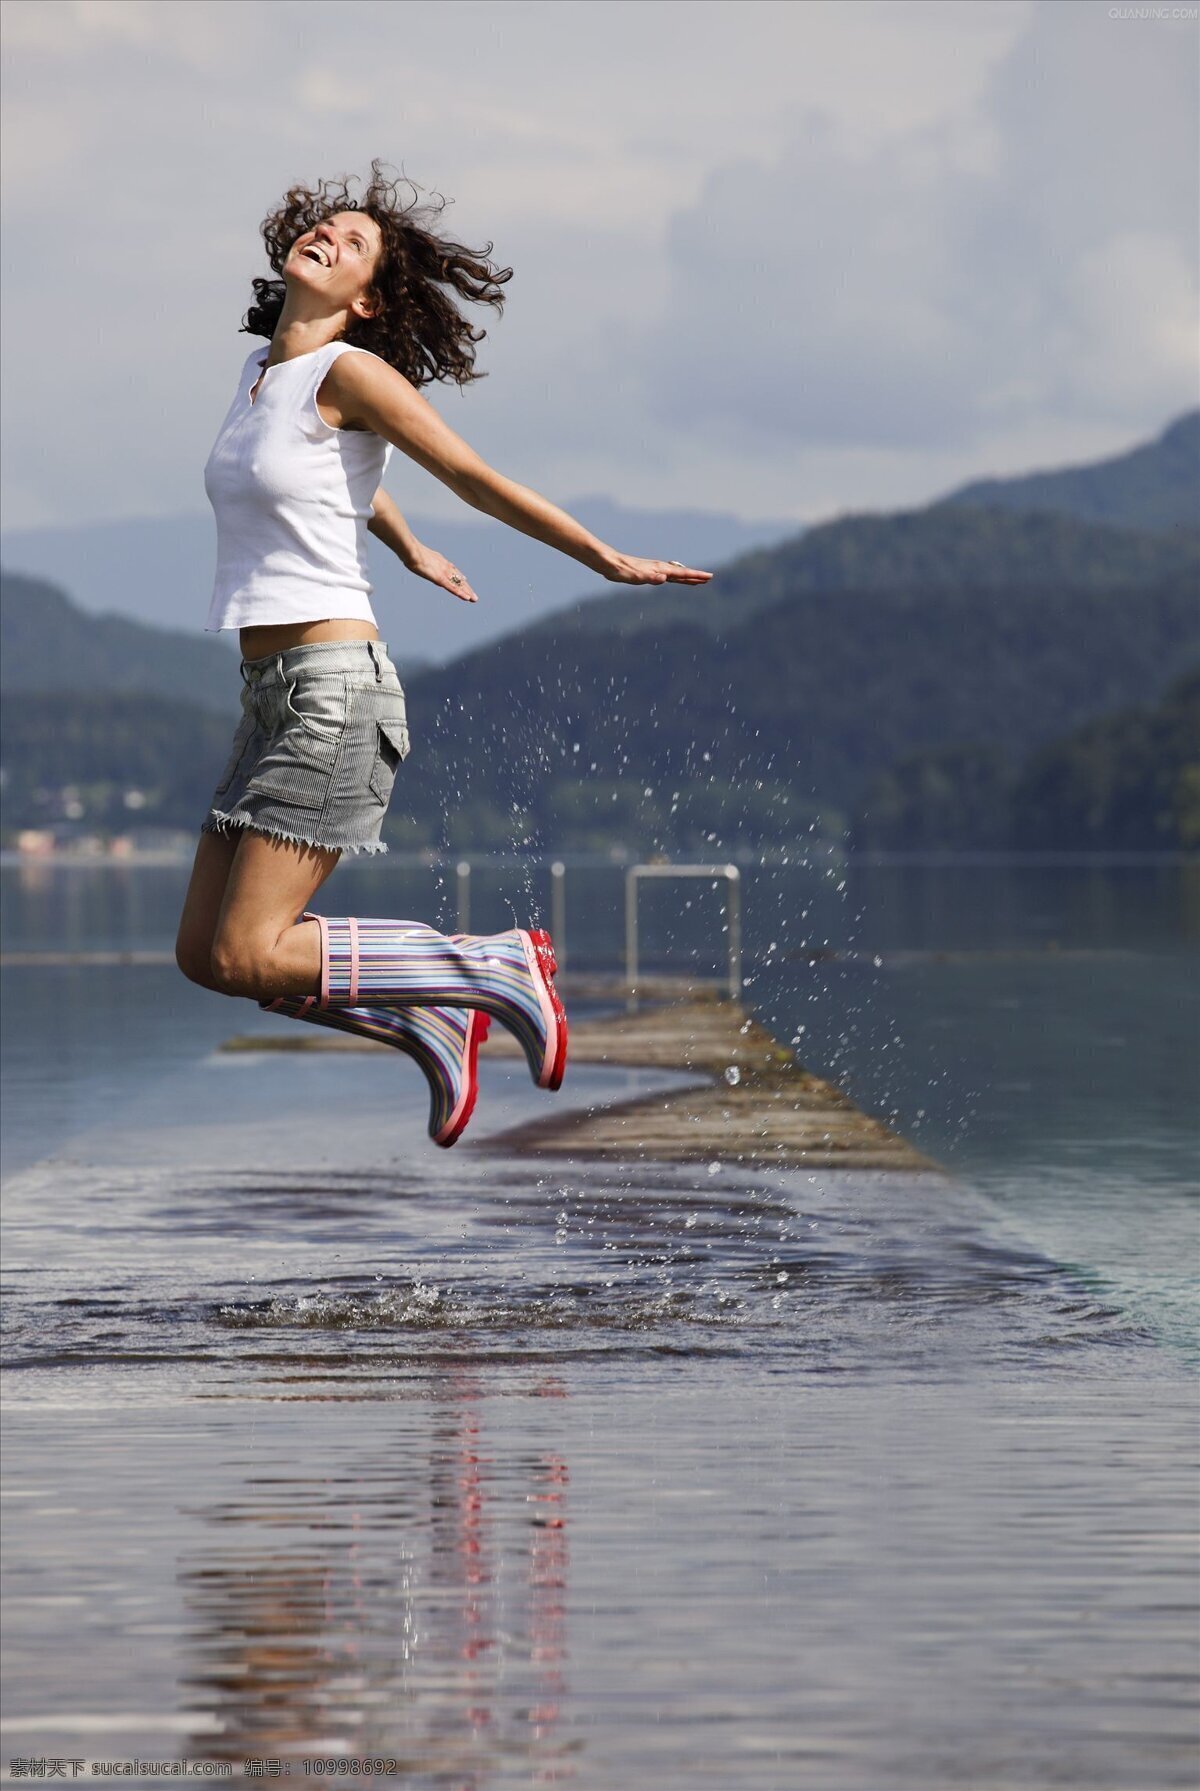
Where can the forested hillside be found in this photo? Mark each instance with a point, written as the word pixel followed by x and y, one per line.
pixel 1125 781
pixel 109 762
pixel 678 732
pixel 48 643
pixel 945 548
pixel 1154 487
pixel 897 676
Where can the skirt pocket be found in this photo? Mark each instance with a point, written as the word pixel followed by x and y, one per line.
pixel 295 768
pixel 319 704
pixel 391 748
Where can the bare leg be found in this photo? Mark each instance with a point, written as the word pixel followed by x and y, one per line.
pixel 258 948
pixel 202 905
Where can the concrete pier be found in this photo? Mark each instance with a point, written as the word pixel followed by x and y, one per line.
pixel 752 1103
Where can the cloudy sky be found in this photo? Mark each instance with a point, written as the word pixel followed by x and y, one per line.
pixel 782 257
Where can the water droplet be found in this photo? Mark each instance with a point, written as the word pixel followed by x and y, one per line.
pixel 714 1169
pixel 782 1276
pixel 733 1075
pixel 689 1222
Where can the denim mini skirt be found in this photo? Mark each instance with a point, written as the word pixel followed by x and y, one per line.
pixel 323 730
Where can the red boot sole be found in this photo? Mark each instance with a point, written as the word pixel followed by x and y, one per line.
pixel 481 1025
pixel 543 947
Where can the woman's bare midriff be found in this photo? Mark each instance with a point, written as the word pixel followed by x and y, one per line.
pixel 258 643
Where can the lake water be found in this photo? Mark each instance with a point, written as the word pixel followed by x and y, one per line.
pixel 323 1445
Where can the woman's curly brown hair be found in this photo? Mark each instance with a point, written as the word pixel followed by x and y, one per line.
pixel 417 327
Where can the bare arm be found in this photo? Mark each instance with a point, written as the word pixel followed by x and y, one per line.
pixel 387 524
pixel 375 396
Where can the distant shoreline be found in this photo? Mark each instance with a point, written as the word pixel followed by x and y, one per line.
pixel 793 855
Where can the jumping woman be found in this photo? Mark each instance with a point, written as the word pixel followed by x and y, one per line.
pixel 358 321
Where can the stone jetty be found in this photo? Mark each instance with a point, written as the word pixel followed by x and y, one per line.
pixel 752 1102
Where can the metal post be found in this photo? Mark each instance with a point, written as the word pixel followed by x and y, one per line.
pixel 631 938
pixel 463 881
pixel 733 921
pixel 558 911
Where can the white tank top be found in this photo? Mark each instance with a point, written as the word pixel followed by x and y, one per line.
pixel 292 498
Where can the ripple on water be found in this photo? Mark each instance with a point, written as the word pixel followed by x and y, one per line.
pixel 853 1274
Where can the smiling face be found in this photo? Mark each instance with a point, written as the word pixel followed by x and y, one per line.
pixel 337 259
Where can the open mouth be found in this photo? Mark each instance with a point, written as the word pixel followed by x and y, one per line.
pixel 314 252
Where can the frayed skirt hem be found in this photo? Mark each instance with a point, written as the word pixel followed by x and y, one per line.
pixel 220 822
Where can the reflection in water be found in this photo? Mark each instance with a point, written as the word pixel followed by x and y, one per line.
pixel 407 1604
pixel 549 1564
pixel 870 1484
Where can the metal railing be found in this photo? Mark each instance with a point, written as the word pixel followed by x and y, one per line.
pixel 729 874
pixel 732 878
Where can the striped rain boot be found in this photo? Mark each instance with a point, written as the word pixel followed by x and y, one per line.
pixel 507 975
pixel 442 1041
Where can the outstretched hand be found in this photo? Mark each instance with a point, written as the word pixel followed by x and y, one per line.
pixel 621 569
pixel 626 569
pixel 428 563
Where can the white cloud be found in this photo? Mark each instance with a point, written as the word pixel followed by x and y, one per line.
pixel 768 255
pixel 1037 264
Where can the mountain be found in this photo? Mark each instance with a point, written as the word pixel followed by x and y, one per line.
pixel 107 654
pixel 48 644
pixel 160 570
pixel 1155 486
pixel 682 730
pixel 938 550
pixel 961 639
pixel 1127 780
